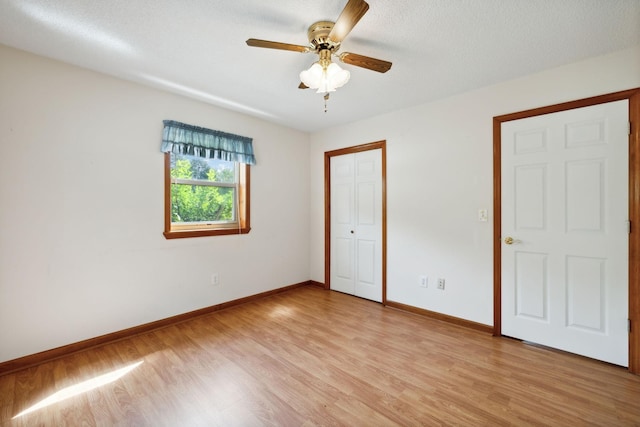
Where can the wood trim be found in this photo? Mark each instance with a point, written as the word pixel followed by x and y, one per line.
pixel 384 223
pixel 571 105
pixel 318 284
pixel 245 197
pixel 633 95
pixel 634 237
pixel 56 353
pixel 167 193
pixel 497 227
pixel 356 148
pixel 442 317
pixel 327 220
pixel 382 145
pixel 205 233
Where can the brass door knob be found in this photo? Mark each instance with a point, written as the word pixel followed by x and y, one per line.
pixel 509 240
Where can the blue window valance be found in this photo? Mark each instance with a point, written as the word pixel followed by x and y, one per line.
pixel 181 138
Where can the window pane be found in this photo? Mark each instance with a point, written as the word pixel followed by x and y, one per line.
pixel 187 167
pixel 196 203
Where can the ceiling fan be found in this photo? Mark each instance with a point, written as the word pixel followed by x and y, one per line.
pixel 325 38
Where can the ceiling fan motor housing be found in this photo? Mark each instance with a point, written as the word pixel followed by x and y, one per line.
pixel 318 35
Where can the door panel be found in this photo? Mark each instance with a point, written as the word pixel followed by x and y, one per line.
pixel 342 224
pixel 344 261
pixel 368 180
pixel 366 203
pixel 586 293
pixel 343 196
pixel 585 196
pixel 366 262
pixel 531 285
pixel 530 210
pixel 565 205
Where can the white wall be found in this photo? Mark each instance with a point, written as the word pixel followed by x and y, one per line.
pixel 81 218
pixel 439 173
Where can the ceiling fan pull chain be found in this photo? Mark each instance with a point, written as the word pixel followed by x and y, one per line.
pixel 326 98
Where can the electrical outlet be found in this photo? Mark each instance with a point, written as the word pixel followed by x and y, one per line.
pixel 215 279
pixel 441 284
pixel 424 281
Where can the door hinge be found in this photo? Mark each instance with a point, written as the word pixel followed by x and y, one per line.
pixel 629 128
pixel 629 227
pixel 629 325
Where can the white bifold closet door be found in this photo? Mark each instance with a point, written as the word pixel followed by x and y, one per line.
pixel 356 224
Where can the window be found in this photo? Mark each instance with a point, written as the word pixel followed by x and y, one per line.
pixel 206 182
pixel 205 197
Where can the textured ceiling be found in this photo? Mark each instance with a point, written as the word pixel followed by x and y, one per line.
pixel 438 47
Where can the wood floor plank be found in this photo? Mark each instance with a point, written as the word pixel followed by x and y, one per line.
pixel 7 387
pixel 310 357
pixel 67 373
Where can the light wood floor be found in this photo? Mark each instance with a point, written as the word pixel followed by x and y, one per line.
pixel 312 357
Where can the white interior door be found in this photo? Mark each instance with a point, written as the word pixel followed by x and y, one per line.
pixel 356 224
pixel 565 230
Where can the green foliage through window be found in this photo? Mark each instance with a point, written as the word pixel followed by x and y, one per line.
pixel 202 190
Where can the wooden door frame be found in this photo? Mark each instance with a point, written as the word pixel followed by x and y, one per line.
pixel 382 145
pixel 633 95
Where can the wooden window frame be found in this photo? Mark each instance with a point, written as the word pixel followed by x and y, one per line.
pixel 242 226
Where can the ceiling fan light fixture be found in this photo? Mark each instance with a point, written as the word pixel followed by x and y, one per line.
pixel 336 75
pixel 313 76
pixel 325 87
pixel 324 78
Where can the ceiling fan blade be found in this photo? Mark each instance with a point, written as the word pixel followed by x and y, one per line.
pixel 365 62
pixel 303 86
pixel 349 17
pixel 277 45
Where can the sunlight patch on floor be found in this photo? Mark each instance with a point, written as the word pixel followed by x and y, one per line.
pixel 282 311
pixel 80 388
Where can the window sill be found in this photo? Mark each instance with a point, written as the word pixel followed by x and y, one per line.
pixel 182 234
